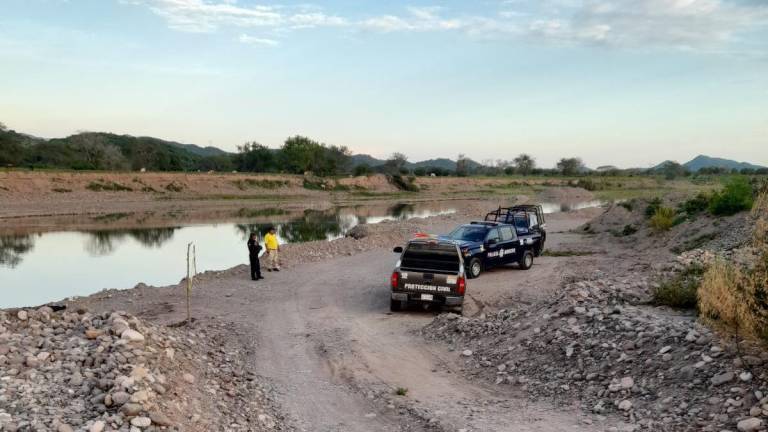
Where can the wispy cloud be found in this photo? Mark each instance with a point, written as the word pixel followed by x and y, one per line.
pixel 251 40
pixel 678 24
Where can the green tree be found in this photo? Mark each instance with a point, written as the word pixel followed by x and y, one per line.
pixel 254 157
pixel 396 163
pixel 570 166
pixel 671 170
pixel 524 164
pixel 300 154
pixel 462 165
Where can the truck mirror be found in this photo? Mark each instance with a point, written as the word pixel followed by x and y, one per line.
pixel 398 249
pixel 492 242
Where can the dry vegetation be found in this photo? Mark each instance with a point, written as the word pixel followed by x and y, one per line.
pixel 735 295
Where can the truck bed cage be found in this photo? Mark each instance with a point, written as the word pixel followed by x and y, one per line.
pixel 505 214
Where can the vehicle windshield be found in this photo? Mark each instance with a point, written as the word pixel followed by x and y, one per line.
pixel 468 233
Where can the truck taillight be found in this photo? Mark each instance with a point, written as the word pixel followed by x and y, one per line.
pixel 395 280
pixel 461 285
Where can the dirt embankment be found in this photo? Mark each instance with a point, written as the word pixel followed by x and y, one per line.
pixel 41 193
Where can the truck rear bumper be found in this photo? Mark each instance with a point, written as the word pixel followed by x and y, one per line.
pixel 439 299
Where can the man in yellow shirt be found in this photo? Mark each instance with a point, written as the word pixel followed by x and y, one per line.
pixel 273 247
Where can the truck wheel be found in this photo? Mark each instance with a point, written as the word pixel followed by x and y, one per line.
pixel 526 261
pixel 395 305
pixel 474 268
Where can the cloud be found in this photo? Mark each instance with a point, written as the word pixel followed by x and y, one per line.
pixel 666 24
pixel 251 40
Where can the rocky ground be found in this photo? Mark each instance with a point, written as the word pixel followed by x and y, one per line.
pixel 74 370
pixel 602 343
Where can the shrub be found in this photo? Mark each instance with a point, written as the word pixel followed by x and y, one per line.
pixel 174 187
pixel 401 391
pixel 404 183
pixel 681 291
pixel 734 198
pixel 696 205
pixel 663 219
pixel 737 296
pixel 628 230
pixel 102 185
pixel 653 205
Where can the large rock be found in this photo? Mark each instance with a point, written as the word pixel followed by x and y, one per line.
pixel 749 424
pixel 141 422
pixel 722 378
pixel 358 232
pixel 132 336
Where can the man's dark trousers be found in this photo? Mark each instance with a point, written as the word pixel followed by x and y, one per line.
pixel 255 267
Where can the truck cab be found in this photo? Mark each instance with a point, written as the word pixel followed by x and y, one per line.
pixel 488 244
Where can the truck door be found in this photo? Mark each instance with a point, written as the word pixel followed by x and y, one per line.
pixel 509 250
pixel 493 248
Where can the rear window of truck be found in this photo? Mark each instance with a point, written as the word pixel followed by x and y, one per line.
pixel 428 257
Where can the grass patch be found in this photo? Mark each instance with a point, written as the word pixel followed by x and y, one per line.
pixel 681 291
pixel 110 217
pixel 264 212
pixel 663 219
pixel 566 253
pixel 245 184
pixel 61 190
pixel 401 391
pixel 107 186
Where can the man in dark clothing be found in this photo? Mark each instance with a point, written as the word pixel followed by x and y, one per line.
pixel 253 253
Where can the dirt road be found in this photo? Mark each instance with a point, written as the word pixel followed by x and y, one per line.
pixel 336 356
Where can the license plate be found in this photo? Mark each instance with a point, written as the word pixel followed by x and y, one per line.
pixel 427 297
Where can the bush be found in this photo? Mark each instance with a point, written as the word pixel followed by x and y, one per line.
pixel 404 183
pixel 681 291
pixel 663 219
pixel 737 296
pixel 734 198
pixel 653 205
pixel 696 205
pixel 102 185
pixel 628 230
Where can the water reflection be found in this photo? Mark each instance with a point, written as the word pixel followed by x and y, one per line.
pixel 104 242
pixel 13 247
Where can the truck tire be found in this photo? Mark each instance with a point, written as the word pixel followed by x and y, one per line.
pixel 395 305
pixel 474 268
pixel 526 261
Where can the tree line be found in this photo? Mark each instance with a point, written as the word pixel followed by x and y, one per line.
pixel 297 155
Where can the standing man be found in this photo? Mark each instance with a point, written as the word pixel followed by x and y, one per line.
pixel 270 241
pixel 253 253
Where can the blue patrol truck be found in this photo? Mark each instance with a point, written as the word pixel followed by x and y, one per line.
pixel 509 235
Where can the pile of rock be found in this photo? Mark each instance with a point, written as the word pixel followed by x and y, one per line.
pixel 66 371
pixel 661 371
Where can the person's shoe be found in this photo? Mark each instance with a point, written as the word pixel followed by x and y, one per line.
pixel 254 279
pixel 277 269
pixel 260 277
pixel 269 269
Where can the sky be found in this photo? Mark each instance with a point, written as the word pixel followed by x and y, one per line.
pixel 625 82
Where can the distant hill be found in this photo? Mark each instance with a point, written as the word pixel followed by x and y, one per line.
pixel 702 161
pixel 196 149
pixel 441 163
